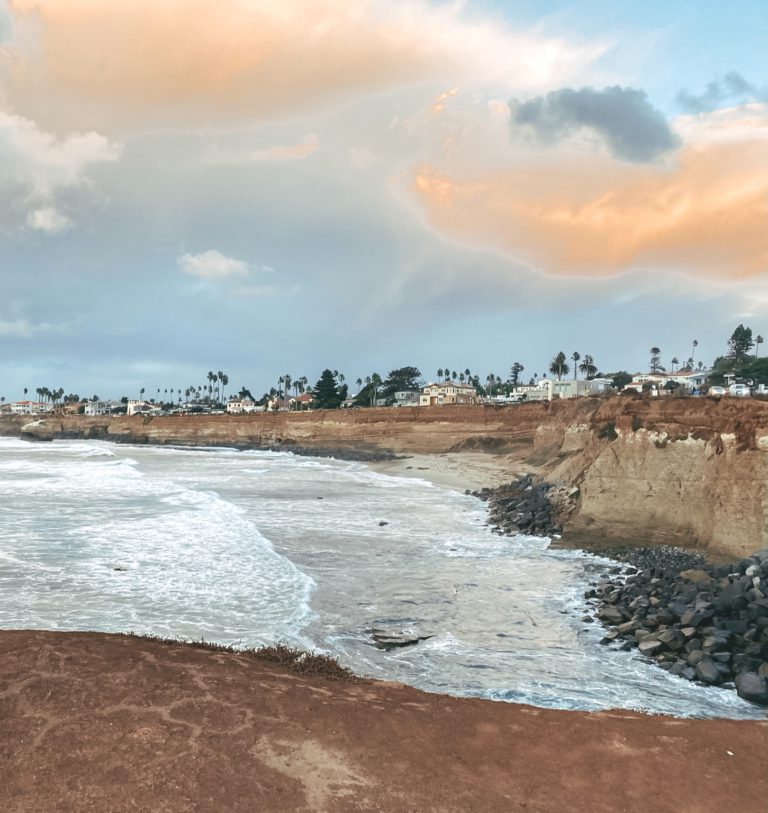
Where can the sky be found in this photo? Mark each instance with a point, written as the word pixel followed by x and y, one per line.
pixel 267 187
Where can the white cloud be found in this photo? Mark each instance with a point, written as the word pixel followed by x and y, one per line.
pixel 47 219
pixel 212 265
pixel 43 162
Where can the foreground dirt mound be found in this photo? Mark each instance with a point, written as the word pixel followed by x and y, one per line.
pixel 107 722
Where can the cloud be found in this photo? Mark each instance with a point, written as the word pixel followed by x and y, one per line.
pixel 731 89
pixel 38 159
pixel 705 216
pixel 128 64
pixel 631 127
pixel 48 220
pixel 289 152
pixel 212 265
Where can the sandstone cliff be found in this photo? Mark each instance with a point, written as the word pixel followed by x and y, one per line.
pixel 685 471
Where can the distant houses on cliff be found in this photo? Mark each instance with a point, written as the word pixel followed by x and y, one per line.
pixel 447 392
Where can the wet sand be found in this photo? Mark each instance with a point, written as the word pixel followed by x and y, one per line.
pixel 105 722
pixel 457 471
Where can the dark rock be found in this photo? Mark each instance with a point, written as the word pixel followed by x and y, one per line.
pixel 695 658
pixel 707 671
pixel 753 687
pixel 611 615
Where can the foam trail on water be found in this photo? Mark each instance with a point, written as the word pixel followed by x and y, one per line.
pixel 254 547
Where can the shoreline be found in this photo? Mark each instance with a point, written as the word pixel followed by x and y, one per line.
pixel 455 471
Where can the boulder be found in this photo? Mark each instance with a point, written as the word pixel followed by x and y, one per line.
pixel 650 645
pixel 753 687
pixel 611 615
pixel 707 672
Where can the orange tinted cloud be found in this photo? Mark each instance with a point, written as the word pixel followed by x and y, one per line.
pixel 96 64
pixel 588 215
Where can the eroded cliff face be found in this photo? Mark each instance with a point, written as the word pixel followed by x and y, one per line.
pixel 684 471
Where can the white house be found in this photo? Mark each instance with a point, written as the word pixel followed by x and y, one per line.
pixel 29 407
pixel 136 407
pixel 239 406
pixel 407 398
pixel 549 389
pixel 101 407
pixel 689 381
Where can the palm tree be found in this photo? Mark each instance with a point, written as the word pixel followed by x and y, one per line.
pixel 576 357
pixel 693 351
pixel 440 374
pixel 224 378
pixel 673 363
pixel 141 394
pixel 558 366
pixel 588 367
pixel 758 341
pixel 286 389
pixel 359 383
pixel 376 382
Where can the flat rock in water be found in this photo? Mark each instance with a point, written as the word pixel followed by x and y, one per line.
pixel 387 639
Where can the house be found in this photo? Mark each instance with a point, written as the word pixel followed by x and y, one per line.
pixel 448 392
pixel 136 407
pixel 101 407
pixel 304 401
pixel 549 389
pixel 688 381
pixel 407 398
pixel 240 406
pixel 29 407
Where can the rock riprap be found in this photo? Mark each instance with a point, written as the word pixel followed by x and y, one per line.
pixel 703 622
pixel 525 506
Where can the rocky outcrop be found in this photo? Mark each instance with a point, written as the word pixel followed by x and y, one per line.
pixel 681 471
pixel 703 622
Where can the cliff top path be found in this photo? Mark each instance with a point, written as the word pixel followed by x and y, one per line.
pixel 106 722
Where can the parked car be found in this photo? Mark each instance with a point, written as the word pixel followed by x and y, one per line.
pixel 716 391
pixel 740 390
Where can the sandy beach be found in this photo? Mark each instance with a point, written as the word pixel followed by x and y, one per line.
pixel 457 471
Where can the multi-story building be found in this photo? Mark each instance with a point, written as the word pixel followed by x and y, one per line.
pixel 448 392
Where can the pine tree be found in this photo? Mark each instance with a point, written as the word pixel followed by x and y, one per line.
pixel 326 391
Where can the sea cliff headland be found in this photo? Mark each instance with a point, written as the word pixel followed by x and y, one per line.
pixel 682 471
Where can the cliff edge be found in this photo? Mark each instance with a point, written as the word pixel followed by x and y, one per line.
pixel 687 471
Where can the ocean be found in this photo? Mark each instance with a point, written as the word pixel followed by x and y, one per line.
pixel 248 548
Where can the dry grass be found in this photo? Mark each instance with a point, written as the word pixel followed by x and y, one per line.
pixel 295 660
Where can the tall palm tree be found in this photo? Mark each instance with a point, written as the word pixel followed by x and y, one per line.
pixel 376 382
pixel 286 389
pixel 673 363
pixel 588 367
pixel 558 366
pixel 359 383
pixel 758 341
pixel 576 357
pixel 440 374
pixel 693 351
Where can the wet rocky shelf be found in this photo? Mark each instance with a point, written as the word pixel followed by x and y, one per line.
pixel 702 622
